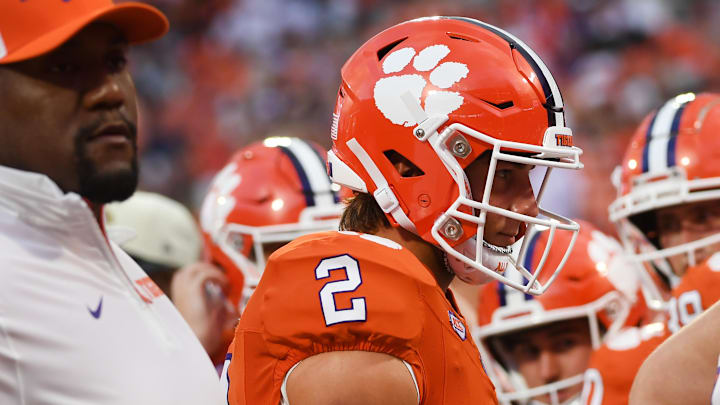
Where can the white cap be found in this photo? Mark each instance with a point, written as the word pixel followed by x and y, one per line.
pixel 154 228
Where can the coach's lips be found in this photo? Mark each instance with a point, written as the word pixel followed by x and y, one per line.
pixel 112 132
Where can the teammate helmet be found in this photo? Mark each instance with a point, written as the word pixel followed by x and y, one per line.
pixel 438 92
pixel 270 193
pixel 596 283
pixel 671 160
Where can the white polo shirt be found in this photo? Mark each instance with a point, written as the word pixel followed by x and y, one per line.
pixel 80 322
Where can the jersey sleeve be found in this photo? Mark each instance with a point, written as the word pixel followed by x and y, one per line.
pixel 695 293
pixel 322 294
pixel 612 367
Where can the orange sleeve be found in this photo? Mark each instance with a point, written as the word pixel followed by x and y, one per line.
pixel 696 292
pixel 317 297
pixel 613 367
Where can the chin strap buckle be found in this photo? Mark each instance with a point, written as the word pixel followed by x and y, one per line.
pixel 386 199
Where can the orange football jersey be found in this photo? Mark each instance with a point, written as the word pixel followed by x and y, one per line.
pixel 613 366
pixel 697 291
pixel 347 291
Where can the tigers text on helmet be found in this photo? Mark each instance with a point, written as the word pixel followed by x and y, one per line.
pixel 671 161
pixel 270 193
pixel 596 285
pixel 438 93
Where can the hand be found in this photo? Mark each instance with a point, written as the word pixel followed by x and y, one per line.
pixel 198 293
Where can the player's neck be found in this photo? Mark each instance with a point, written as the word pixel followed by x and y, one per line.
pixel 428 254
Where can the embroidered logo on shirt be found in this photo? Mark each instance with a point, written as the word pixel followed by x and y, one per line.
pixel 147 289
pixel 457 325
pixel 96 313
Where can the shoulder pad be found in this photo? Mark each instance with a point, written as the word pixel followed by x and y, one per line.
pixel 346 290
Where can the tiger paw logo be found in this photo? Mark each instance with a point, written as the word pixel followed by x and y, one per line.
pixel 424 68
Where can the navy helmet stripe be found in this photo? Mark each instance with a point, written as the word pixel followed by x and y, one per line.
pixel 553 98
pixel 501 294
pixel 336 197
pixel 661 137
pixel 304 181
pixel 646 148
pixel 529 257
pixel 673 136
pixel 313 166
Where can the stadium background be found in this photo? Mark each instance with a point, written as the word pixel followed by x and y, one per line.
pixel 234 71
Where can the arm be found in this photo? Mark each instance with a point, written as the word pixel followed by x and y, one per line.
pixel 197 294
pixel 682 370
pixel 351 378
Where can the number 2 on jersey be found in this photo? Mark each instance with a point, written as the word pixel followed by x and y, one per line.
pixel 357 311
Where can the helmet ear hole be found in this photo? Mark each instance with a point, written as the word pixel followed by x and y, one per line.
pixel 403 165
pixel 387 48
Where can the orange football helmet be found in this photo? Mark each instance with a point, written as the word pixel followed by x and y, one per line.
pixel 270 193
pixel 440 92
pixel 672 159
pixel 597 283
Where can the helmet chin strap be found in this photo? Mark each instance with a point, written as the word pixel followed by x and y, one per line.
pixel 495 258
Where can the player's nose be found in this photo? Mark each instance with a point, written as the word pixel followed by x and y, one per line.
pixel 549 366
pixel 524 201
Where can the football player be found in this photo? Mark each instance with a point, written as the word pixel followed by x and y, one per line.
pixel 268 194
pixel 668 217
pixel 537 348
pixel 437 125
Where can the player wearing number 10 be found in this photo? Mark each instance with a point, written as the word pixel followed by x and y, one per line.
pixel 438 123
pixel 668 215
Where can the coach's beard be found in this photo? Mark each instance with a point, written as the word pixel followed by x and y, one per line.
pixel 105 187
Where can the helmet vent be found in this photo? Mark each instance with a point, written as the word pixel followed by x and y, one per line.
pixel 387 48
pixel 403 165
pixel 461 37
pixel 502 105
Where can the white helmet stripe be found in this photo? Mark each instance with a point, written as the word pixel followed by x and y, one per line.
pixel 314 169
pixel 662 129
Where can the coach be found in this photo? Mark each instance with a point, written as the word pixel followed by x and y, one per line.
pixel 80 323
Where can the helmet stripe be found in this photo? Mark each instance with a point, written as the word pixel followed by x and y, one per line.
pixel 304 181
pixel 310 168
pixel 673 136
pixel 501 293
pixel 659 150
pixel 510 294
pixel 529 257
pixel 553 98
pixel 648 138
pixel 335 196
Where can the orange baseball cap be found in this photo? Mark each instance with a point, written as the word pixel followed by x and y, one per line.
pixel 30 28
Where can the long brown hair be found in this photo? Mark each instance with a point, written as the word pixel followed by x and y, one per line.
pixel 363 214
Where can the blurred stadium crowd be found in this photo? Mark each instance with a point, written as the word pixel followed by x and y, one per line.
pixel 234 71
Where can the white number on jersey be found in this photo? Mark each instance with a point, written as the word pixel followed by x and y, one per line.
pixel 684 309
pixel 333 315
